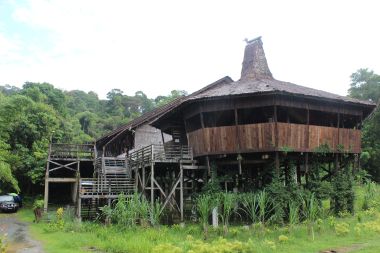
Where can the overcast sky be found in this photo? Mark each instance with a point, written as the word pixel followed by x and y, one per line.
pixel 158 46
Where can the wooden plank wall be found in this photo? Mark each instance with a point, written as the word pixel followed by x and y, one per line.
pixel 261 137
pixel 257 136
pixel 292 135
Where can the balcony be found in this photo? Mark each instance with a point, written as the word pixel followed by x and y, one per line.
pixel 263 137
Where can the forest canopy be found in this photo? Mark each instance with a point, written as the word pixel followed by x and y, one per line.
pixel 32 116
pixel 36 113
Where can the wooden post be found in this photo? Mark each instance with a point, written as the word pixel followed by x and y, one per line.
pixel 181 191
pixel 143 178
pixel 239 164
pixel 79 209
pixel 237 128
pixel 46 193
pixel 298 168
pixel 307 168
pixel 207 157
pixel 277 163
pixel 136 179
pixel 307 145
pixel 152 178
pixel 163 139
pixel 336 164
pixel 46 196
pixel 277 158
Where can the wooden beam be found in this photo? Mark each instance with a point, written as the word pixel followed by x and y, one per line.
pixel 307 167
pixel 61 180
pixel 181 192
pixel 152 178
pixel 277 163
pixel 46 195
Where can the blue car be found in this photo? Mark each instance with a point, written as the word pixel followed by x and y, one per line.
pixel 8 204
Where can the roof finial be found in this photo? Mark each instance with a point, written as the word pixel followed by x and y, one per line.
pixel 255 64
pixel 252 40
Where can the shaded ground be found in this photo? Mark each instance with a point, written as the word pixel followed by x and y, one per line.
pixel 347 249
pixel 17 235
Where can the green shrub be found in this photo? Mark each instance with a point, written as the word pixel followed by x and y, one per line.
pixel 250 205
pixel 227 205
pixel 3 244
pixel 342 229
pixel 283 239
pixel 38 204
pixel 204 206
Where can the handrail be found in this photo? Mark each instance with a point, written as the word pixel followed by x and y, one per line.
pixel 60 150
pixel 161 153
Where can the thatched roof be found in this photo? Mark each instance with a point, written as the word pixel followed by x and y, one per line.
pixel 146 118
pixel 257 78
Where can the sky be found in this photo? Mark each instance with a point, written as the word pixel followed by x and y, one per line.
pixel 159 46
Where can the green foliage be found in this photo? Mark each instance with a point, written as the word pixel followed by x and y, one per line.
pixel 7 179
pixel 155 213
pixel 286 149
pixel 227 202
pixel 31 116
pixel 342 228
pixel 343 195
pixel 365 85
pixel 250 205
pixel 3 244
pixel 204 207
pixel 369 200
pixel 38 204
pixel 310 211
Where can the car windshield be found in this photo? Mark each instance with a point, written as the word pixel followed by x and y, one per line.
pixel 6 198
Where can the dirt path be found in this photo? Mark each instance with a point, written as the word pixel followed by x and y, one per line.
pixel 18 238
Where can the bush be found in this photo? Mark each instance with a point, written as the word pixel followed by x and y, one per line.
pixel 342 229
pixel 204 206
pixel 196 246
pixel 3 244
pixel 38 204
pixel 283 239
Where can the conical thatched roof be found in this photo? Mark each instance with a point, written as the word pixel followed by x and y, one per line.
pixel 257 78
pixel 255 64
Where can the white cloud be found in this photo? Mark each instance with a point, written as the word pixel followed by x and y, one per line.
pixel 157 46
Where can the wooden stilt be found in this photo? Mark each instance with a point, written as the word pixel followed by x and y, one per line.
pixel 152 179
pixel 298 171
pixel 277 163
pixel 46 195
pixel 181 192
pixel 307 168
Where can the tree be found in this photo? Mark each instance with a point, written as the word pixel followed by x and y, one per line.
pixel 174 94
pixel 365 85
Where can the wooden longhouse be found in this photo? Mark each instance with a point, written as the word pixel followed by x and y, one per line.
pixel 242 128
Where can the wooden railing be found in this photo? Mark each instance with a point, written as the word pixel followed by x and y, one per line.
pixel 72 151
pixel 262 138
pixel 112 165
pixel 160 153
pixel 108 187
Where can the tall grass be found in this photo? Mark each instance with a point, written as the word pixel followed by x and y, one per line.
pixel 266 207
pixel 310 210
pixel 369 195
pixel 204 206
pixel 250 205
pixel 227 204
pixel 155 212
pixel 131 210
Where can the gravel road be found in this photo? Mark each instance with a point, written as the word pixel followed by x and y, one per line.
pixel 17 235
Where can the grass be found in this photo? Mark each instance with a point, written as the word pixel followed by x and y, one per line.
pixel 87 237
